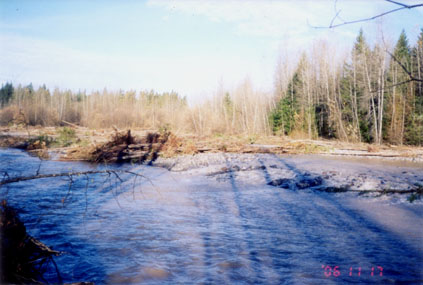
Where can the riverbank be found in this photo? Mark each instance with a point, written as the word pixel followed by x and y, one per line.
pixel 327 166
pixel 84 141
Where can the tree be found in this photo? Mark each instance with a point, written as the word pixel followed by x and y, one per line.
pixel 282 117
pixel 295 109
pixel 348 102
pixel 414 129
pixel 400 94
pixel 360 87
pixel 6 94
pixel 228 111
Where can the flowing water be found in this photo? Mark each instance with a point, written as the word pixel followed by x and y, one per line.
pixel 175 228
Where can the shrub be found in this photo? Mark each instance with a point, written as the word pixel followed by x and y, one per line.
pixel 7 115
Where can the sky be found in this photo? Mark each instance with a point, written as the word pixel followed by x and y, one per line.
pixel 191 47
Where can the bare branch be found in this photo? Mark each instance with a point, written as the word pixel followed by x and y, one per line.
pixel 69 190
pixel 392 86
pixel 393 57
pixel 39 168
pixel 403 6
pixel 398 3
pixel 43 247
pixel 334 18
pixel 71 175
pixel 412 78
pixel 117 176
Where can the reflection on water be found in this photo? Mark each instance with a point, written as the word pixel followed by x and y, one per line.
pixel 186 229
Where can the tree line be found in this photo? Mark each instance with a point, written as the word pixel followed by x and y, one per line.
pixel 103 109
pixel 372 95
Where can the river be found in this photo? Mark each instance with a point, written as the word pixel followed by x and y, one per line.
pixel 175 227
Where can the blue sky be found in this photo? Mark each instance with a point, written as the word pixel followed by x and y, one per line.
pixel 190 47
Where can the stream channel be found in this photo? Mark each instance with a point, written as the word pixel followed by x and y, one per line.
pixel 179 228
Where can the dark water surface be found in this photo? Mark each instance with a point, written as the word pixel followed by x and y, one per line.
pixel 191 229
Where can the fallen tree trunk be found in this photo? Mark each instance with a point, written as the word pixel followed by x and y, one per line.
pixel 67 174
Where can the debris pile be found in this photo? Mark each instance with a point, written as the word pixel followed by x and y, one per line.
pixel 124 147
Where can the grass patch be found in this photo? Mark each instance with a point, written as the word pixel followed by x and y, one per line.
pixel 67 137
pixel 307 148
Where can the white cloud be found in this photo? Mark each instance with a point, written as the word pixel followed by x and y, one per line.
pixel 282 19
pixel 276 22
pixel 259 18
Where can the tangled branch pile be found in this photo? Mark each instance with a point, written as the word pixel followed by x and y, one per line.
pixel 124 147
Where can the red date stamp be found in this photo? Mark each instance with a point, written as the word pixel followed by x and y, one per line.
pixel 335 271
